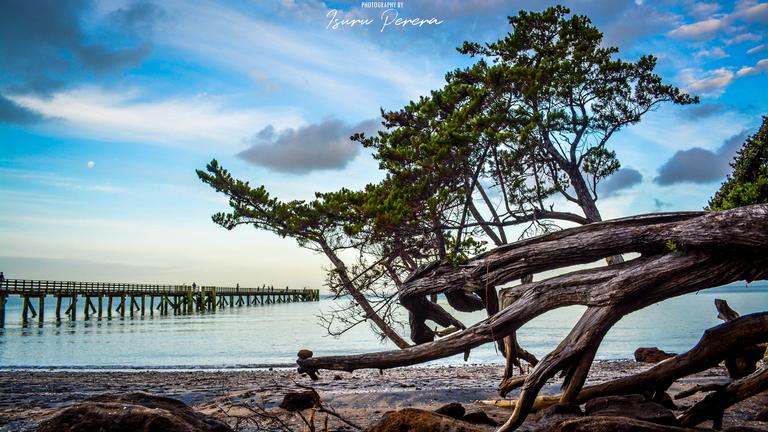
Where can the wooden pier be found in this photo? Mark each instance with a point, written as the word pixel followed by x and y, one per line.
pixel 108 299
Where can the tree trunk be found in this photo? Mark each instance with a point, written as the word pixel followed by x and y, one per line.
pixel 714 249
pixel 359 297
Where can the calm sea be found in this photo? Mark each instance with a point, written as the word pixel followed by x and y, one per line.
pixel 263 336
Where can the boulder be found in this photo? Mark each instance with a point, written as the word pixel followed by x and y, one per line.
pixel 549 418
pixel 454 409
pixel 298 401
pixel 416 420
pixel 305 354
pixel 632 406
pixel 744 362
pixel 131 412
pixel 480 417
pixel 651 355
pixel 615 424
pixel 762 415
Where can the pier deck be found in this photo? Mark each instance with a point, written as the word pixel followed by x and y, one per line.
pixel 132 299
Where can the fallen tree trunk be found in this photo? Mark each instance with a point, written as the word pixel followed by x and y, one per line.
pixel 717 344
pixel 679 253
pixel 742 361
pixel 715 403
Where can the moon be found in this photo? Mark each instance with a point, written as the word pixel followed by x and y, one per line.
pixel 91 164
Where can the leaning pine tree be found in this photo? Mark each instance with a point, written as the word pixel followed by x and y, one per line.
pixel 526 127
pixel 505 140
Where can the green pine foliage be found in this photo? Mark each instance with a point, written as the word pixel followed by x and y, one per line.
pixel 748 183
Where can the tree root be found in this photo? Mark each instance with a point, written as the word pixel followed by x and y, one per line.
pixel 719 248
pixel 715 403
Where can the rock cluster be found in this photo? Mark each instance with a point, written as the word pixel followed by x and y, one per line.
pixel 131 412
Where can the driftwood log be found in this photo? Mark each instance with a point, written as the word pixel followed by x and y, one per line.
pixel 678 253
pixel 716 345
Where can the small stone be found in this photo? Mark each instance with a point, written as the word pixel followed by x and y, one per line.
pixel 633 406
pixel 480 417
pixel 131 412
pixel 415 420
pixel 762 416
pixel 305 354
pixel 651 355
pixel 298 401
pixel 454 409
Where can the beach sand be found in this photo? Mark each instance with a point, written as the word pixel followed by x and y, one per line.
pixel 27 397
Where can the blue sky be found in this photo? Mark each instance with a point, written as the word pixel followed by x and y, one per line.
pixel 107 108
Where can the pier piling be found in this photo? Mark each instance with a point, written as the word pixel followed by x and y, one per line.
pixel 173 299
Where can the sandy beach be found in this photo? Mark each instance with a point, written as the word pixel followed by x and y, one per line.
pixel 28 397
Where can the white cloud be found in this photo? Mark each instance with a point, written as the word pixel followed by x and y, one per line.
pixel 714 53
pixel 751 11
pixel 744 37
pixel 193 122
pixel 757 49
pixel 343 71
pixel 709 84
pixel 744 12
pixel 702 9
pixel 50 179
pixel 699 30
pixel 760 67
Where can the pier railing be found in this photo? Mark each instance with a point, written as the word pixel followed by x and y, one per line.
pixel 42 287
pixel 172 299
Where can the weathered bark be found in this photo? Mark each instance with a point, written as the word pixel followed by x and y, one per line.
pixel 594 242
pixel 743 360
pixel 715 403
pixel 715 345
pixel 713 249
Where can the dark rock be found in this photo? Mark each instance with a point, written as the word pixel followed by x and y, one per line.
pixel 337 378
pixel 454 409
pixel 549 418
pixel 744 428
pixel 632 406
pixel 762 415
pixel 745 362
pixel 298 401
pixel 665 400
pixel 480 417
pixel 305 354
pixel 651 355
pixel 131 412
pixel 415 420
pixel 614 424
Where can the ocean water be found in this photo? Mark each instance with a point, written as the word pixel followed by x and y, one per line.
pixel 270 335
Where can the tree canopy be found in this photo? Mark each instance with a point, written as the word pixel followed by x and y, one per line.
pixel 748 183
pixel 507 140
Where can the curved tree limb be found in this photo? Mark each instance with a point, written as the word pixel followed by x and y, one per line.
pixel 731 247
pixel 709 250
pixel 643 234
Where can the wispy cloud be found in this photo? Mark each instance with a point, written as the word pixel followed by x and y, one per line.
pixel 760 67
pixel 711 24
pixel 757 49
pixel 707 83
pixel 714 53
pixel 54 180
pixel 200 121
pixel 342 71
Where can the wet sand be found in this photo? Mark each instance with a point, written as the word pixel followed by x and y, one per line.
pixel 28 397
